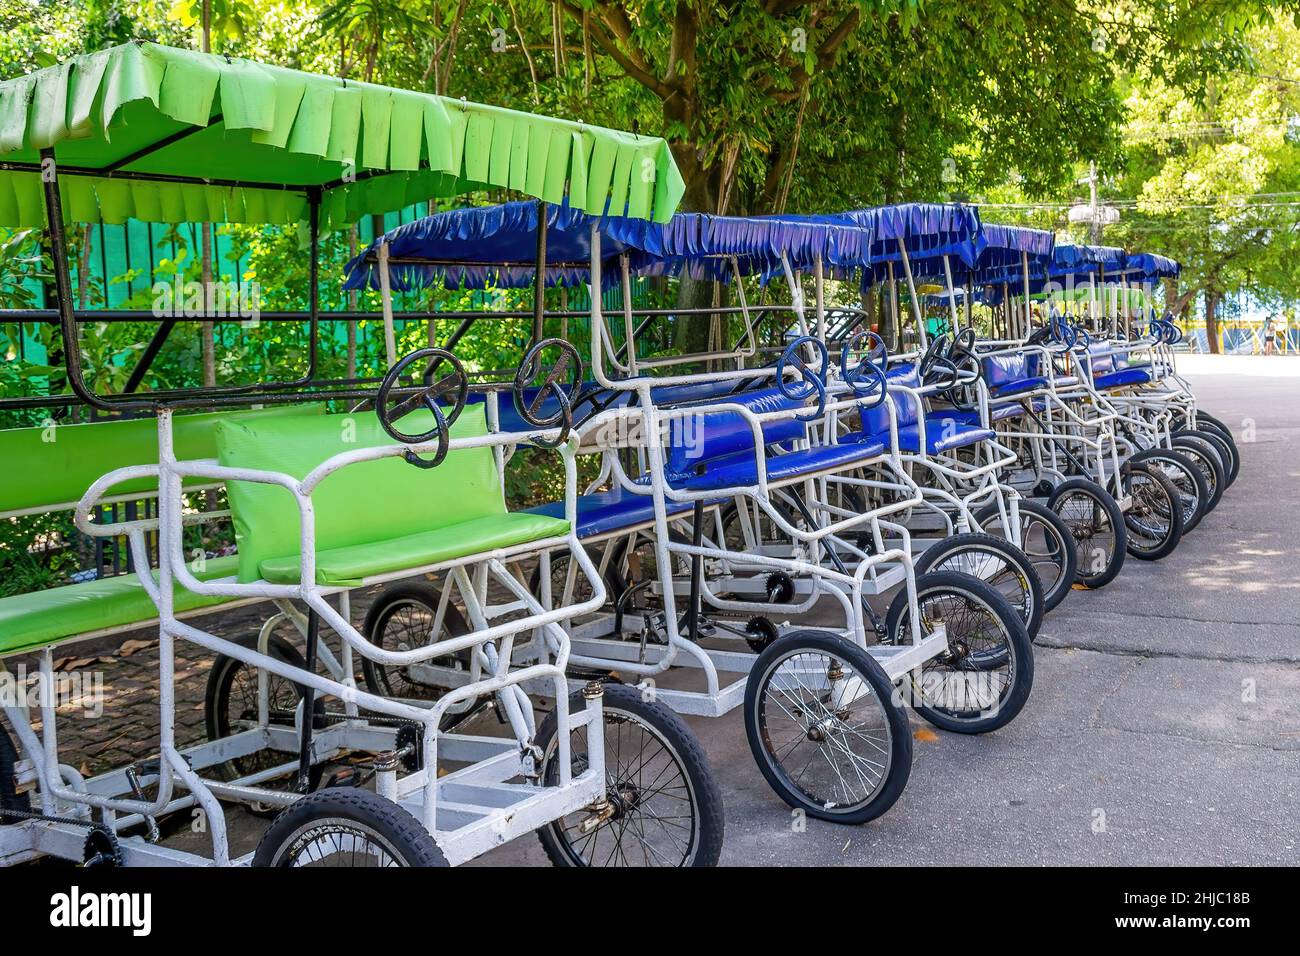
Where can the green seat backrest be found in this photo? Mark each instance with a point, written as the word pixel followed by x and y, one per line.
pixel 359 504
pixel 45 467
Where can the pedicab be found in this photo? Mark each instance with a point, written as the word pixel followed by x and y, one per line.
pixel 1156 407
pixel 685 451
pixel 954 455
pixel 1109 369
pixel 952 463
pixel 1060 427
pixel 322 504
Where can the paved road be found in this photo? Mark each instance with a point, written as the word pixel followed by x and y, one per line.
pixel 1164 725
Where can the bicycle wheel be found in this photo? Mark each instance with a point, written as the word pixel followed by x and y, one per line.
pixel 1046 541
pixel 663 804
pixel 1097 527
pixel 983 680
pixel 826 729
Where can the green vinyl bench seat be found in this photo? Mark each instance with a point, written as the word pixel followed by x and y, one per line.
pixel 371 518
pixel 29 621
pixel 349 566
pixel 60 462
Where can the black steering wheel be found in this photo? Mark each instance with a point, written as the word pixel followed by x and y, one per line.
pixel 454 384
pixel 936 359
pixel 811 380
pixel 567 365
pixel 867 376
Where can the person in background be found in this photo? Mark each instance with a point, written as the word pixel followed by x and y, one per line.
pixel 1270 336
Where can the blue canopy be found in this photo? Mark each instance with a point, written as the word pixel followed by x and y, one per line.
pixel 999 261
pixel 1149 266
pixel 926 229
pixel 1084 260
pixel 496 246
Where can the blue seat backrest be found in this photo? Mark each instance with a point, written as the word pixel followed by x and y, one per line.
pixel 875 421
pixel 691 392
pixel 1101 359
pixel 697 439
pixel 1002 370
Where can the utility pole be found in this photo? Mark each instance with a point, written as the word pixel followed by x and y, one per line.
pixel 1094 228
pixel 1096 214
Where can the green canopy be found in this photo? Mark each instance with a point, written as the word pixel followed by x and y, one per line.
pixel 149 132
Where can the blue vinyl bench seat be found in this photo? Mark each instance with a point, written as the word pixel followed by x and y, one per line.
pixel 943 432
pixel 741 469
pixel 1132 375
pixel 603 512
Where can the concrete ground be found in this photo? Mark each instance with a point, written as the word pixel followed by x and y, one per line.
pixel 1163 728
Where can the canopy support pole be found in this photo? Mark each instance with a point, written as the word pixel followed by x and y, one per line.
pixel 1126 305
pixel 386 297
pixel 819 287
pixel 911 290
pixel 752 348
pixel 952 293
pixel 796 294
pixel 893 308
pixel 1006 310
pixel 970 291
pixel 539 289
pixel 1092 303
pixel 1029 320
pixel 63 282
pixel 313 272
pixel 597 319
pixel 629 324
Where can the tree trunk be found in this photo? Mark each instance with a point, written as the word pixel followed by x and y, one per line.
pixel 1212 299
pixel 209 328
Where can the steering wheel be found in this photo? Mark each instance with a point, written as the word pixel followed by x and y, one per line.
pixel 1062 332
pixel 455 384
pixel 567 364
pixel 810 381
pixel 935 352
pixel 868 375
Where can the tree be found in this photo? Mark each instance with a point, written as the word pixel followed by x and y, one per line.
pixel 1217 180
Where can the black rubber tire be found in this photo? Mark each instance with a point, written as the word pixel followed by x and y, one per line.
pixel 1228 454
pixel 1215 443
pixel 1065 560
pixel 409 843
pixel 900 734
pixel 1192 476
pixel 216 706
pixel 1018 653
pixel 10 799
pixel 1029 602
pixel 1204 418
pixel 1074 487
pixel 1157 484
pixel 615 584
pixel 1206 457
pixel 624 703
pixel 394 596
